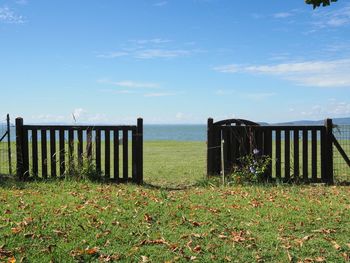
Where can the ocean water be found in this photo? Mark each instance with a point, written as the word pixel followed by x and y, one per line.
pixel 177 132
pixel 156 132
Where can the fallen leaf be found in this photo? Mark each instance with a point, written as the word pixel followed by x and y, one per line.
pixel 144 259
pixel 197 249
pixel 336 245
pixel 91 251
pixel 16 230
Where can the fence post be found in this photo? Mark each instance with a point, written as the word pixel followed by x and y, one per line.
pixel 9 143
pixel 329 151
pixel 19 148
pixel 139 134
pixel 210 145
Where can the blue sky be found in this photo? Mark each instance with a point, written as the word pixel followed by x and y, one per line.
pixel 173 61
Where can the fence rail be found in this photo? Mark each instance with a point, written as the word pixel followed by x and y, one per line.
pixel 298 152
pixel 55 144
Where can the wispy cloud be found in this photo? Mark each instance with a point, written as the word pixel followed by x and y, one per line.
pixel 151 41
pixel 21 2
pixel 160 53
pixel 161 3
pixel 334 108
pixel 113 54
pixel 133 84
pixel 159 94
pixel 8 16
pixel 332 73
pixel 130 84
pixel 151 49
pixel 333 18
pixel 282 15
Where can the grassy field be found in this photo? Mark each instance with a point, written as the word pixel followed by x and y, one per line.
pixel 68 221
pixel 181 163
pixel 84 222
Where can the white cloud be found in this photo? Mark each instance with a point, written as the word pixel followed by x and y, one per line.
pixel 133 84
pixel 334 18
pixel 333 109
pixel 159 94
pixel 151 41
pixel 282 15
pixel 130 84
pixel 331 73
pixel 113 54
pixel 8 16
pixel 160 4
pixel 151 49
pixel 22 2
pixel 160 53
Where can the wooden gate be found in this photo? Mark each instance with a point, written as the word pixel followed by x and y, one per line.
pixel 297 152
pixel 57 147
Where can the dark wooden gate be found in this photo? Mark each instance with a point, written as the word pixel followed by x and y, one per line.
pixel 57 147
pixel 297 152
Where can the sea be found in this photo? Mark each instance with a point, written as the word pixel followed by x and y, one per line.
pixel 156 132
pixel 180 132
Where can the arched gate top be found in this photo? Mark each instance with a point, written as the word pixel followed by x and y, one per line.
pixel 237 122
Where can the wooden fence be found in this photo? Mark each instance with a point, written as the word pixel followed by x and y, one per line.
pixel 306 152
pixel 65 145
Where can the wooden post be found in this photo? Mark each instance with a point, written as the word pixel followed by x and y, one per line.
pixel 210 145
pixel 19 148
pixel 9 143
pixel 222 159
pixel 329 151
pixel 139 134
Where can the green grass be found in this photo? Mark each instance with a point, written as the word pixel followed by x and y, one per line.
pixel 68 221
pixel 181 163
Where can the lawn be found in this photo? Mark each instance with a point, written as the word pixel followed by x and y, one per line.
pixel 68 221
pixel 65 221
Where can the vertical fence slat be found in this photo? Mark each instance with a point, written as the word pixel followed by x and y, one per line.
pixel 210 147
pixel 314 155
pixel 35 152
pixel 98 150
pixel 62 152
pixel 287 154
pixel 116 154
pixel 9 152
pixel 53 152
pixel 125 154
pixel 70 150
pixel 296 153
pixel 278 154
pixel 44 159
pixel 19 148
pixel 89 143
pixel 305 155
pixel 323 165
pixel 134 156
pixel 267 149
pixel 80 148
pixel 107 154
pixel 139 134
pixel 329 151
